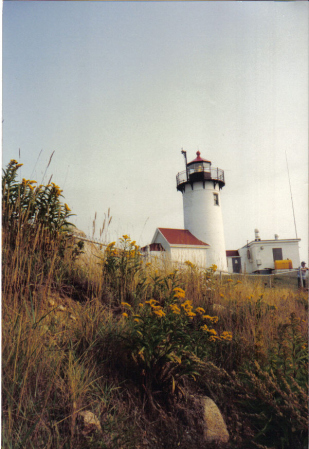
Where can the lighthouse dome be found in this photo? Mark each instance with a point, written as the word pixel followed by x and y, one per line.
pixel 198 159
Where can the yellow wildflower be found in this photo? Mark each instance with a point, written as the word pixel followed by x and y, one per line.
pixel 159 313
pixel 175 309
pixel 19 165
pixel 136 320
pixel 187 304
pixel 125 315
pixel 204 328
pixel 227 336
pixel 212 331
pixel 200 310
pixel 67 207
pixel 214 338
pixel 154 307
pixel 141 304
pixel 179 293
pixel 230 280
pixel 125 237
pixel 126 304
pixel 189 264
pixel 212 319
pixel 151 302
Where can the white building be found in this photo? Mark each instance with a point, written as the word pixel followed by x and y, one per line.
pixel 259 256
pixel 177 245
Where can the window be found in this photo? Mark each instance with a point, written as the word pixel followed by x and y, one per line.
pixel 216 199
pixel 277 253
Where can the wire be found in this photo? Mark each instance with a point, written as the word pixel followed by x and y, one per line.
pixel 291 193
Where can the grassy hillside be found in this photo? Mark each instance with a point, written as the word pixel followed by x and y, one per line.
pixel 134 343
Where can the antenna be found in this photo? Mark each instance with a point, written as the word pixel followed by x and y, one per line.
pixel 185 156
pixel 291 193
pixel 36 161
pixel 143 228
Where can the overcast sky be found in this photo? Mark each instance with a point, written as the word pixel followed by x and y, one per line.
pixel 116 89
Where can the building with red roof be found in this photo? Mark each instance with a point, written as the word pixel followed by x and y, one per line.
pixel 178 245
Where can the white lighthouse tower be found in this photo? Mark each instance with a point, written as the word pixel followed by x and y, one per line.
pixel 200 185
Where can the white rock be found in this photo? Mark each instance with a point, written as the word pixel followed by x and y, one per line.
pixel 90 422
pixel 215 429
pixel 218 307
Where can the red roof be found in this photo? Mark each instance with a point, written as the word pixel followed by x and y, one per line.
pixel 232 253
pixel 198 159
pixel 181 237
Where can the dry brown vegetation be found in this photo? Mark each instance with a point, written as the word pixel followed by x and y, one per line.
pixel 80 332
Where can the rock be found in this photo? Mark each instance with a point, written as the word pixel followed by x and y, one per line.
pixel 215 429
pixel 51 302
pixel 218 307
pixel 89 422
pixel 61 308
pixel 78 232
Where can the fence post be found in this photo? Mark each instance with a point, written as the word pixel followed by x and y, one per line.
pixel 270 281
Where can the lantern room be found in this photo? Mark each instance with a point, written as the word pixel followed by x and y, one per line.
pixel 199 164
pixel 199 170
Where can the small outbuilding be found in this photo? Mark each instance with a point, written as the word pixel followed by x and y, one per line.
pixel 262 256
pixel 178 245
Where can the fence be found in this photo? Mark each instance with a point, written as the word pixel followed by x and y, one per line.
pixel 279 279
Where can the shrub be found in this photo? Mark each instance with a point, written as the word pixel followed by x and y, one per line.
pixel 35 233
pixel 122 268
pixel 164 340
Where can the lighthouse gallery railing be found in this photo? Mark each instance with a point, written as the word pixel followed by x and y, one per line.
pixel 215 174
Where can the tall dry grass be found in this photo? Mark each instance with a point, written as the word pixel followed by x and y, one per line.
pixel 70 344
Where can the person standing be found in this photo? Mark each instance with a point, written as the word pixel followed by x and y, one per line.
pixel 302 275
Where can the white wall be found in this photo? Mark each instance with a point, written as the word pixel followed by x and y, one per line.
pixel 204 220
pixel 182 253
pixel 195 255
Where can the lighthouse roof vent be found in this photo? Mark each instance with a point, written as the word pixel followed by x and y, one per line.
pixel 198 159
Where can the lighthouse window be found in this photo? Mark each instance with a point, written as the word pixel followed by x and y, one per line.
pixel 216 199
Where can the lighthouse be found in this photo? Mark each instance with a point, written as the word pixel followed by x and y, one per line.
pixel 200 185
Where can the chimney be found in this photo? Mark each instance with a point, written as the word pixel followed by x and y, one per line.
pixel 276 236
pixel 257 237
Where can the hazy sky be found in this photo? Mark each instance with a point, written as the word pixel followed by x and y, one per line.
pixel 116 89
